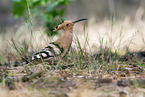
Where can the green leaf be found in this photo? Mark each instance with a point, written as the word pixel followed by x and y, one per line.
pixel 48 10
pixel 51 6
pixel 16 0
pixel 61 12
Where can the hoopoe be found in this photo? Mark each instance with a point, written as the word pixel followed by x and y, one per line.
pixel 61 46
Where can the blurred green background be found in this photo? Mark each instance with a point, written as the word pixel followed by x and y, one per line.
pixel 100 9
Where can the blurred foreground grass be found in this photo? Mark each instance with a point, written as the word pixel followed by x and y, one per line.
pixel 106 59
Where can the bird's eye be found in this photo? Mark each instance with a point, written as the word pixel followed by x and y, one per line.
pixel 67 24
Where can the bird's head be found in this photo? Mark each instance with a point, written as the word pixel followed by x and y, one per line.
pixel 67 25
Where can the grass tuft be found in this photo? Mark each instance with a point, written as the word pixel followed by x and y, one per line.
pixel 103 71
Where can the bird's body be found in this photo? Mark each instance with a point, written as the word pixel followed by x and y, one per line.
pixel 58 48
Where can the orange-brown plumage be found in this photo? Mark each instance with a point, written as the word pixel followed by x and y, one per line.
pixel 66 39
pixel 59 47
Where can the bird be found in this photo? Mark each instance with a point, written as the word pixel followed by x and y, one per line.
pixel 60 47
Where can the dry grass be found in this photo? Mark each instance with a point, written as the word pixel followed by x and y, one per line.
pixel 94 53
pixel 123 34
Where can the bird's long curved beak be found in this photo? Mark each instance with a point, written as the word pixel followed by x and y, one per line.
pixel 79 20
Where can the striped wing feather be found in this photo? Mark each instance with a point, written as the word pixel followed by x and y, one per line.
pixel 50 51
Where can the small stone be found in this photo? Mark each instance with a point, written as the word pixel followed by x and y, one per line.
pixel 122 94
pixel 123 83
pixel 128 68
pixel 136 72
pixel 80 76
pixel 122 74
pixel 105 80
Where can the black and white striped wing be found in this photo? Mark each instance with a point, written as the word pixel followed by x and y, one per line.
pixel 50 51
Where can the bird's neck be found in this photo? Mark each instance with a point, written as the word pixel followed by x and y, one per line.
pixel 65 40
